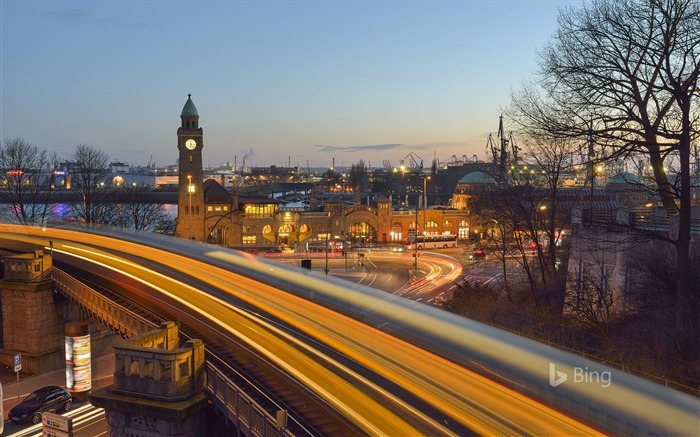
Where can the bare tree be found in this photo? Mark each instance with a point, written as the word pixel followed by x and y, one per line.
pixel 591 300
pixel 624 73
pixel 88 173
pixel 25 181
pixel 136 208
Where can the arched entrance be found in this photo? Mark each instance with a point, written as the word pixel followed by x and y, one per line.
pixel 286 234
pixel 304 232
pixel 361 234
pixel 396 232
pixel 268 234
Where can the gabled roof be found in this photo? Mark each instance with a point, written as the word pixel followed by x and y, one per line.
pixel 215 193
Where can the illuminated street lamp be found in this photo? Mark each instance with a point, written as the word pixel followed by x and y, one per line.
pixel 328 235
pixel 425 201
pixel 415 244
pixel 190 191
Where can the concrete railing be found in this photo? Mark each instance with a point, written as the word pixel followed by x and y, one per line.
pixel 241 410
pixel 154 366
pixel 121 320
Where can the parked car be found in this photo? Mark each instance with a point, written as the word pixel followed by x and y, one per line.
pixel 49 398
pixel 273 251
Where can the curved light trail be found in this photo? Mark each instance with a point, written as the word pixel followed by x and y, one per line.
pixel 455 393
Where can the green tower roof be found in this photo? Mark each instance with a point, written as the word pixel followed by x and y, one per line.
pixel 189 110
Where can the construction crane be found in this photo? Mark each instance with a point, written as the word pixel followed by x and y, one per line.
pixel 499 150
pixel 415 160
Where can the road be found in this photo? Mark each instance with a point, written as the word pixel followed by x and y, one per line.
pixel 88 421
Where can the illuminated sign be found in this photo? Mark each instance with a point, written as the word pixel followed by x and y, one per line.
pixel 78 361
pixel 56 421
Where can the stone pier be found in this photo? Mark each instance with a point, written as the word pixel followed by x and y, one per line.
pixel 158 387
pixel 31 325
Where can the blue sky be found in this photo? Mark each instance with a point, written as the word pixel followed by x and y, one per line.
pixel 275 82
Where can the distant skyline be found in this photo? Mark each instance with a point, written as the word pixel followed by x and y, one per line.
pixel 275 82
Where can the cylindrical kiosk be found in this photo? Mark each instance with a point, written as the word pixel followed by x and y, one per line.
pixel 78 362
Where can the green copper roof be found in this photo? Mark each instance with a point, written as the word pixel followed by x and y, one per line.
pixel 624 178
pixel 477 177
pixel 189 110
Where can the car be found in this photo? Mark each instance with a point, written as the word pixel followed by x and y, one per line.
pixel 273 251
pixel 49 398
pixel 478 253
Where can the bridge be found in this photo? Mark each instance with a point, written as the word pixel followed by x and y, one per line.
pixel 342 359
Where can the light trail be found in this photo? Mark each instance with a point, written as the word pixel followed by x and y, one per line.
pixel 480 403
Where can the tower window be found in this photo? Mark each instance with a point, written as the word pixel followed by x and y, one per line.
pixel 190 159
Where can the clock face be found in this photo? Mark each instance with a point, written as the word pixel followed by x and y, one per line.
pixel 191 144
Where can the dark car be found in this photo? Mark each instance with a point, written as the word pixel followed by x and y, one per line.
pixel 50 398
pixel 273 251
pixel 478 253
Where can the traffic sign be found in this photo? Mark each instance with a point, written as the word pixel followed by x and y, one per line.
pixel 18 362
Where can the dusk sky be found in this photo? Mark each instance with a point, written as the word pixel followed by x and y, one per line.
pixel 275 82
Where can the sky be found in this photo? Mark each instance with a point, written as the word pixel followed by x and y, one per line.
pixel 300 83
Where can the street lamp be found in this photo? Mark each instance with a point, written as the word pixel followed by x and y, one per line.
pixel 328 234
pixel 190 191
pixel 415 244
pixel 425 201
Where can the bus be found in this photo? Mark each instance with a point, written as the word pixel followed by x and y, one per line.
pixel 431 242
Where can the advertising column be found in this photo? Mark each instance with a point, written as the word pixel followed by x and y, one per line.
pixel 78 362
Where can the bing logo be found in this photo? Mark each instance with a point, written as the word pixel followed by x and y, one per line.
pixel 581 374
pixel 556 377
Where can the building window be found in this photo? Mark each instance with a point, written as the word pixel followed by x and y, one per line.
pixel 264 210
pixel 447 227
pixel 431 228
pixel 463 230
pixel 396 232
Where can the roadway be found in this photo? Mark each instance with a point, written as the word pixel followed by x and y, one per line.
pixel 382 384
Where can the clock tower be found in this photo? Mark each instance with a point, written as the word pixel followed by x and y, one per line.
pixel 190 201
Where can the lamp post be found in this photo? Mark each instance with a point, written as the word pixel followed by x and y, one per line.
pixel 190 191
pixel 425 201
pixel 328 234
pixel 415 243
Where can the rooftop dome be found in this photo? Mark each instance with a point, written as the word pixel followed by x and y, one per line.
pixel 189 110
pixel 477 177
